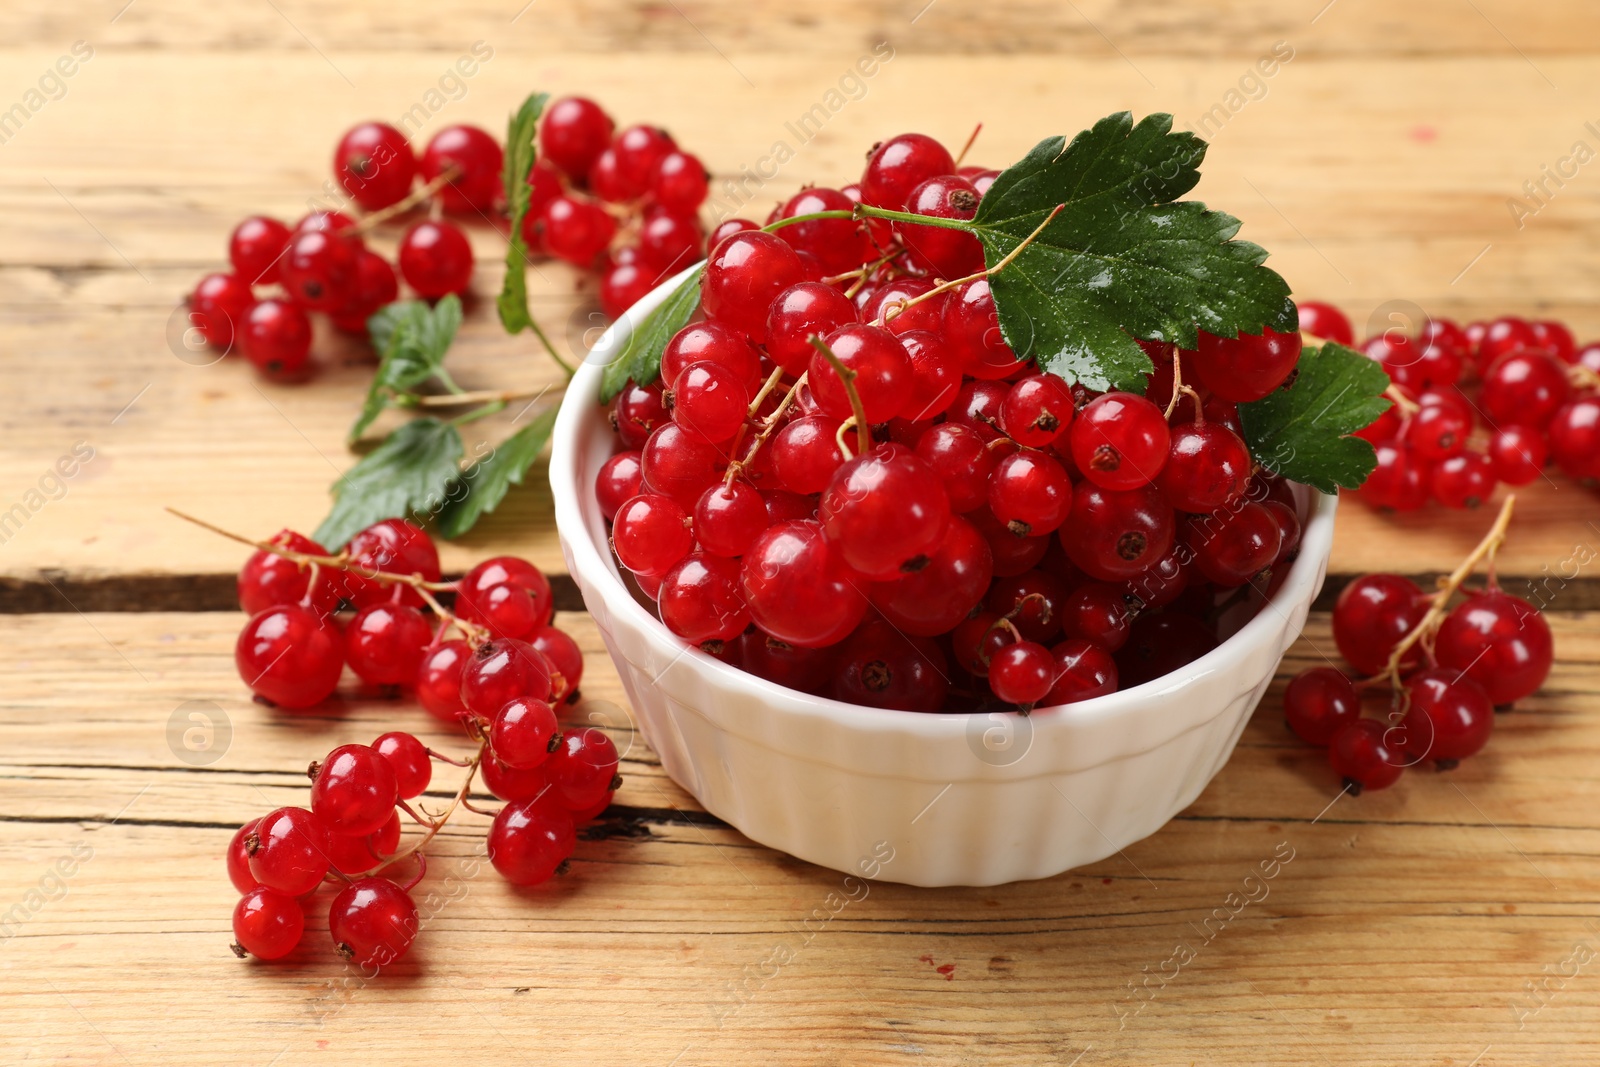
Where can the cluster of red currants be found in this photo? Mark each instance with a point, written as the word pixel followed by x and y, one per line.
pixel 845 479
pixel 1444 675
pixel 351 835
pixel 636 194
pixel 502 682
pixel 1477 406
pixel 324 264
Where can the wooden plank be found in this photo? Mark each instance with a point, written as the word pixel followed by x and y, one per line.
pixel 1092 29
pixel 1457 889
pixel 1400 217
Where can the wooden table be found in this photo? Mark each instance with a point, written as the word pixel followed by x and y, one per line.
pixel 1450 920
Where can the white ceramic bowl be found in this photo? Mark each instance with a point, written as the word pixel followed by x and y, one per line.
pixel 925 799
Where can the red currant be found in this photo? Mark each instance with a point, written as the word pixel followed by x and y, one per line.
pixel 393 546
pixel 708 400
pixel 385 643
pixel 799 590
pixel 524 733
pixel 800 313
pixel 1082 670
pixel 1022 673
pixel 1364 756
pixel 743 275
pixel 839 244
pixel 439 680
pixel 582 769
pixel 1037 410
pixel 409 760
pixel 1370 617
pixel 1463 481
pixel 680 463
pixel 499 672
pixel 885 512
pixel 1574 435
pixel 972 327
pixel 319 269
pixel 255 248
pixel 1116 535
pixel 651 534
pixel 931 601
pixel 1449 718
pixel 375 165
pixel 945 252
pixel 1233 545
pixel 275 336
pixel 1517 454
pixel 680 183
pixel 435 259
pixel 1498 641
pixel 882 369
pixel 530 840
pixel 1120 441
pixel 639 409
pixel 476 157
pixel 1524 388
pixel 879 667
pixel 899 165
pixel 354 791
pixel 1247 367
pixel 573 132
pixel 373 922
pixel 290 655
pixel 1319 703
pixel 1030 493
pixel 1327 322
pixel 374 286
pixel 267 924
pixel 239 858
pixel 728 517
pixel 700 599
pixel 289 851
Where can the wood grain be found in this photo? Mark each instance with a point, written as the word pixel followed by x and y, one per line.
pixel 1455 889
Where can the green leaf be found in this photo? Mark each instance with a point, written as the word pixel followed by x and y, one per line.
pixel 519 158
pixel 1124 258
pixel 410 476
pixel 640 355
pixel 413 339
pixel 1302 431
pixel 487 481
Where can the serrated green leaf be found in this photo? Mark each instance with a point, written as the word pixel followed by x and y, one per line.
pixel 521 151
pixel 1124 258
pixel 640 356
pixel 1302 432
pixel 413 340
pixel 408 476
pixel 485 483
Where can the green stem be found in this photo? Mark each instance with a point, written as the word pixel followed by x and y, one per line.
pixel 848 378
pixel 479 413
pixel 445 380
pixel 550 348
pixel 867 211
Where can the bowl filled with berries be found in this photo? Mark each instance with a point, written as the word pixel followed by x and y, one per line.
pixel 943 524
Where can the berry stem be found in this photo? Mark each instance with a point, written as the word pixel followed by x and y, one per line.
pixel 1583 377
pixel 971 140
pixel 766 388
pixel 899 307
pixel 400 207
pixel 848 378
pixel 1397 396
pixel 767 428
pixel 478 396
pixel 1448 586
pixel 437 824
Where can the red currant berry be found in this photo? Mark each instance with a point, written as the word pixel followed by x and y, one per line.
pixel 239 859
pixel 508 595
pixel 1517 454
pixel 289 851
pixel 1037 410
pixel 373 922
pixel 573 132
pixel 939 250
pixel 476 157
pixel 1400 480
pixel 623 285
pixel 1463 481
pixel 290 655
pixel 1449 717
pixel 882 368
pixel 354 791
pixel 577 230
pixel 903 305
pixel 508 783
pixel 354 855
pixel 668 242
pixel 375 165
pixel 640 151
pixel 1556 339
pixel 1574 435
pixel 618 482
pixel 256 247
pixel 439 680
pixel 501 671
pixel 899 165
pixel 972 327
pixel 267 924
pixel 1082 670
pixel 524 733
pixel 809 670
pixel 1032 601
pixel 435 259
pixel 935 377
pixel 409 760
pixel 680 183
pixel 374 286
pixel 1436 431
pixel 218 308
pixel 268 579
pixel 885 512
pixel 958 455
pixel 1500 642
pixel 1012 554
pixel 743 275
pixel 931 601
pixel 1116 535
pixel 651 534
pixel 839 244
pixel 1233 545
pixel 564 656
pixel 385 643
pixel 805 454
pixel 1524 388
pixel 1370 617
pixel 1319 703
pixel 638 410
pixel 1120 441
pixel 1163 581
pixel 729 517
pixel 1363 754
pixel 1502 337
pixel 1030 493
pixel 680 463
pixel 712 342
pixel 1098 612
pixel 800 313
pixel 700 599
pixel 275 336
pixel 879 667
pixel 318 269
pixel 729 227
pixel 1327 322
pixel 1022 673
pixel 1247 367
pixel 393 546
pixel 530 840
pixel 799 590
pixel 1207 467
pixel 582 769
pixel 708 400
